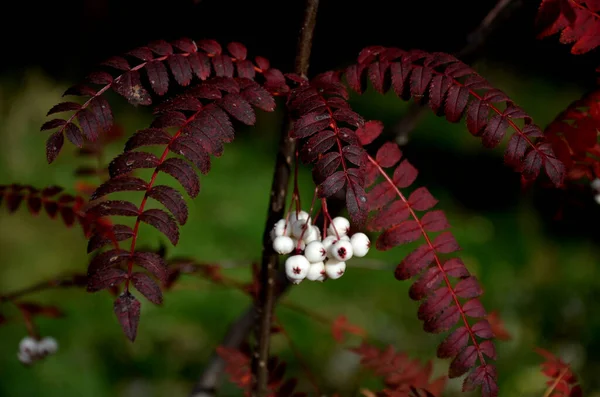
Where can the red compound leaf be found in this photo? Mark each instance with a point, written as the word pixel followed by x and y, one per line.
pixel 150 69
pixel 578 22
pixel 442 307
pixel 453 89
pixel 127 309
pixel 321 123
pixel 562 382
pixel 400 373
pixel 574 137
pixel 237 366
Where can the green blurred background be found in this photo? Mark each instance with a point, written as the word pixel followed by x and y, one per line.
pixel 541 274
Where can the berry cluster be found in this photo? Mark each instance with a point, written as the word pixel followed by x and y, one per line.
pixel 32 350
pixel 316 258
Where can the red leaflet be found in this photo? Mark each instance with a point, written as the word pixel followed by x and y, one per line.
pixel 129 161
pixel 119 184
pixel 388 155
pixel 369 132
pixel 105 279
pixel 183 172
pixel 578 22
pixel 152 262
pixel 163 222
pixel 341 326
pixel 147 287
pixel 127 309
pixel 107 259
pixel 181 69
pixel 562 382
pixel 172 200
pixel 112 208
pixel 148 137
pixel 101 239
pixel 158 77
pixel 193 150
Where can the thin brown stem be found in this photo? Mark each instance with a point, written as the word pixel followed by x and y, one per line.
pixel 287 148
pixel 75 280
pixel 475 42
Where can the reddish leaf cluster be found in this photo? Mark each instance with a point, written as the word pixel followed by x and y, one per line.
pixel 237 366
pixel 578 22
pixel 401 375
pixel 452 88
pixel 562 382
pixel 185 59
pixel 395 215
pixel 322 116
pixel 574 135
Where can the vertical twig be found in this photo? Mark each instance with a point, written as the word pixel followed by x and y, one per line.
pixel 279 188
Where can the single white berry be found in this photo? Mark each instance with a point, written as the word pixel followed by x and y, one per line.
pixel 328 241
pixel 316 272
pixel 29 345
pixel 48 345
pixel 341 250
pixel 296 268
pixel 283 245
pixel 279 229
pixel 24 357
pixel 311 234
pixel 298 228
pixel 360 244
pixel 339 224
pixel 597 198
pixel 335 269
pixel 302 215
pixel 302 244
pixel 319 237
pixel 595 184
pixel 315 252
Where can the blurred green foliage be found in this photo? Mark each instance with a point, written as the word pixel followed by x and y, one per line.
pixel 544 289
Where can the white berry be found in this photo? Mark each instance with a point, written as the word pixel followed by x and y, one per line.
pixel 28 345
pixel 24 357
pixel 335 269
pixel 302 215
pixel 316 272
pixel 283 245
pixel 302 244
pixel 597 198
pixel 328 241
pixel 298 228
pixel 48 345
pixel 595 184
pixel 315 252
pixel 296 268
pixel 360 244
pixel 341 225
pixel 279 229
pixel 341 250
pixel 311 234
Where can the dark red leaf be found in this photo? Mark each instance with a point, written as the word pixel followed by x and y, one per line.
pixel 184 173
pixel 380 195
pixel 161 47
pixel 369 131
pixel 34 204
pixel 332 184
pixel 310 123
pixel 163 222
pixel 147 137
pixel 152 262
pixel 129 86
pixel 405 174
pixel 444 321
pixel 391 215
pixel 477 116
pixel 483 329
pixel 354 154
pixel 193 150
pixel 445 243
pixel 403 233
pixel 258 97
pixel 74 134
pixel 356 203
pixel 129 161
pixel 118 232
pixel 419 82
pixel 210 46
pixel 516 150
pixel 326 166
pixel 143 283
pixel 487 348
pixel 212 127
pixel 316 145
pixel 114 208
pixel 106 278
pixel 474 308
pixel 435 221
pixel 421 199
pixel 456 101
pixel 127 309
pixel 117 63
pixel 107 259
pixel 435 303
pixel 223 65
pixel 158 77
pixel 468 288
pixel 425 284
pixel 484 376
pixel 437 92
pixel 348 116
pixel 237 50
pixel 388 155
pixel 453 343
pixel 143 53
pixel 100 77
pixel 414 262
pixel 532 164
pixel 463 362
pixel 63 107
pixel 89 124
pixel 455 267
pixel 239 108
pixel 181 69
pixel 172 200
pixel 119 184
pixel 53 146
pixel 52 124
pixel 494 131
